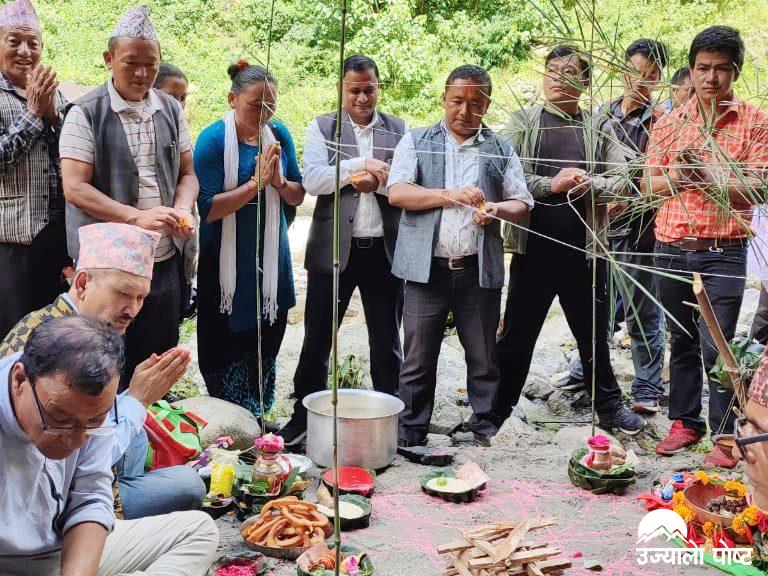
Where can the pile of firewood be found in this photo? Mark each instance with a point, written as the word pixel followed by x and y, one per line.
pixel 503 548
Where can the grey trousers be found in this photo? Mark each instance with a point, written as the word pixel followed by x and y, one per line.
pixel 476 315
pixel 178 544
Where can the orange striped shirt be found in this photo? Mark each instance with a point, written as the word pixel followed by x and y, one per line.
pixel 734 148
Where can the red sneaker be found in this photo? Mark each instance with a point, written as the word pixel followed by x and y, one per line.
pixel 720 457
pixel 678 439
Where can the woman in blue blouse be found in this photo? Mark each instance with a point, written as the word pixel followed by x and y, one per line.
pixel 235 183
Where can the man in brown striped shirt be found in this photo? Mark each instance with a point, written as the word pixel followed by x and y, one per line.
pixel 127 157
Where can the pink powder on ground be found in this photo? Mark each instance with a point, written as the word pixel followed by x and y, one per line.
pixel 234 570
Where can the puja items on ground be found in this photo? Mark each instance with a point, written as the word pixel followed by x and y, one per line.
pixel 320 560
pixel 352 480
pixel 223 465
pixel 461 485
pixel 602 466
pixel 503 548
pixel 286 523
pixel 252 496
pixel 216 505
pixel 241 564
pixel 267 468
pixel 354 510
pixel 706 502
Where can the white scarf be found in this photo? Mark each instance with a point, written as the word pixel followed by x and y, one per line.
pixel 228 255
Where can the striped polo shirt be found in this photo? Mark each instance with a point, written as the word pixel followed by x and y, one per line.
pixel 76 143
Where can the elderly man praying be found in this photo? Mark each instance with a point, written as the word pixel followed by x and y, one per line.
pixel 32 247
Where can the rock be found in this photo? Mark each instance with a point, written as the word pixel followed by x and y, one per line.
pixel 748 309
pixel 537 385
pixel 570 438
pixel 623 368
pixel 514 432
pixel 567 402
pixel 548 358
pixel 439 441
pixel 224 419
pixel 446 416
pixel 523 408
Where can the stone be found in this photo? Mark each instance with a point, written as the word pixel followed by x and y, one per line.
pixel 515 432
pixel 523 408
pixel 570 438
pixel 446 416
pixel 748 309
pixel 567 402
pixel 537 385
pixel 224 419
pixel 549 358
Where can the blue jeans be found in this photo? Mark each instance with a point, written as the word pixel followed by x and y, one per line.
pixel 162 491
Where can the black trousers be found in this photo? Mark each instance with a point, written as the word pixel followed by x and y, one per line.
pixel 535 279
pixel 156 328
pixel 382 294
pixel 31 274
pixel 476 315
pixel 691 341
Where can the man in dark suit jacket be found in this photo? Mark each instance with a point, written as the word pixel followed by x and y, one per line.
pixel 368 234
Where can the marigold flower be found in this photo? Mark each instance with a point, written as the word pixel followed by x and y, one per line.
pixel 702 477
pixel 738 525
pixel 685 512
pixel 709 528
pixel 734 488
pixel 751 515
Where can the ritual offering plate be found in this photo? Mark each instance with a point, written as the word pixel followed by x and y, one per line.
pixel 352 480
pixel 285 528
pixel 218 505
pixel 297 462
pixel 461 485
pixel 320 560
pixel 354 512
pixel 615 480
pixel 242 564
pixel 702 498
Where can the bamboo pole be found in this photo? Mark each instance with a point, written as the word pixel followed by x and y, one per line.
pixel 718 338
pixel 335 304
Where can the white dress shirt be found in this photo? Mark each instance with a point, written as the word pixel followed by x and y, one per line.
pixel 458 235
pixel 319 177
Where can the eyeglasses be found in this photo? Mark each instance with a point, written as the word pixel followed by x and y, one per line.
pixel 102 430
pixel 743 441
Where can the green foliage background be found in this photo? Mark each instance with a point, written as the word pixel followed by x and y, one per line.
pixel 415 42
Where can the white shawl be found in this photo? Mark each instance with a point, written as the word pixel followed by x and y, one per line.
pixel 228 255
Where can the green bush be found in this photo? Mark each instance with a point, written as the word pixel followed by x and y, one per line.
pixel 415 42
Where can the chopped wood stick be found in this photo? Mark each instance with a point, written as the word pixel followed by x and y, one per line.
pixel 546 567
pixel 517 558
pixel 533 570
pixel 511 543
pixel 486 547
pixel 488 530
pixel 477 553
pixel 460 566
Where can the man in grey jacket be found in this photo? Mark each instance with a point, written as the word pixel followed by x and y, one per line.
pixel 574 165
pixel 454 181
